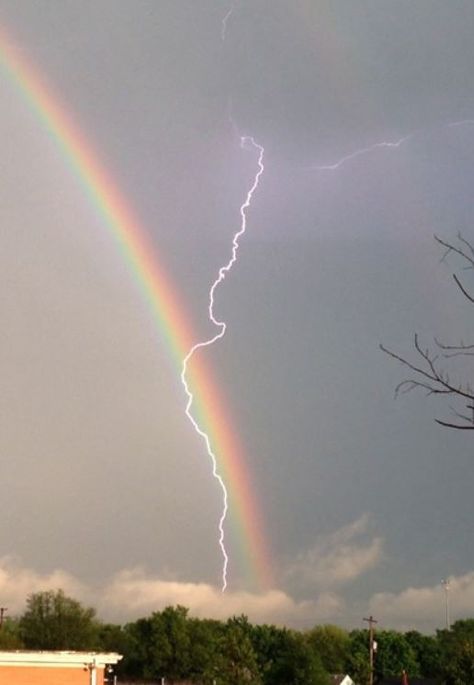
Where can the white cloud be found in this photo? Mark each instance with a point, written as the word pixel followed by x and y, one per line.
pixel 340 557
pixel 132 593
pixel 424 607
pixel 17 582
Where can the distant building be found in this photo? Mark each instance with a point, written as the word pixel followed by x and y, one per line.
pixel 341 680
pixel 57 668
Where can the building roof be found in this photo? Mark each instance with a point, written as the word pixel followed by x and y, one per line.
pixel 341 679
pixel 66 659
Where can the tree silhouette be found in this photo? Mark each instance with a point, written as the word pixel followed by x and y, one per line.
pixel 435 370
pixel 54 621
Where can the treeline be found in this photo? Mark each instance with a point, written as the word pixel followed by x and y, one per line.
pixel 178 647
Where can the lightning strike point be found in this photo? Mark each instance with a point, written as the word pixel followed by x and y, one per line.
pixel 246 142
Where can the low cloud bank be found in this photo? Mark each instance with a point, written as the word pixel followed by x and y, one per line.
pixel 17 582
pixel 425 606
pixel 136 593
pixel 334 562
pixel 132 593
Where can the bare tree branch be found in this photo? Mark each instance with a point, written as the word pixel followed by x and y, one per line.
pixel 440 383
pixel 457 250
pixel 428 374
pixel 463 417
pixel 455 425
pixel 461 346
pixel 462 289
pixel 466 243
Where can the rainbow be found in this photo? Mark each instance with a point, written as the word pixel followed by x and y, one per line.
pixel 156 288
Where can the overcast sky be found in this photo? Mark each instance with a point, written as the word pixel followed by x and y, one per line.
pixel 105 488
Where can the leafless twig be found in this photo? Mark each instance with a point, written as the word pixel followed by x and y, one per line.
pixel 428 375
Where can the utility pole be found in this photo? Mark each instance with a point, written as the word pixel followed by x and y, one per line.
pixel 371 621
pixel 3 611
pixel 445 584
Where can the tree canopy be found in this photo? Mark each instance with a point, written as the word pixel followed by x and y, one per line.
pixel 173 645
pixel 54 621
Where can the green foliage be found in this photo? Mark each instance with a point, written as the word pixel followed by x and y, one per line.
pixel 172 645
pixel 457 653
pixel 394 654
pixel 332 644
pixel 113 638
pixel 54 621
pixel 358 665
pixel 138 635
pixel 267 642
pixel 427 652
pixel 460 668
pixel 207 661
pixel 285 656
pixel 297 663
pixel 172 639
pixel 10 635
pixel 160 645
pixel 239 661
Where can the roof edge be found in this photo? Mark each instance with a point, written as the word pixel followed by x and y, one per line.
pixel 56 658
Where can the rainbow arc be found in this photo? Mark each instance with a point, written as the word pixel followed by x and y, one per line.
pixel 156 287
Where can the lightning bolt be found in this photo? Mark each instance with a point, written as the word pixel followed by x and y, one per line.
pixel 384 144
pixel 245 143
pixel 464 122
pixel 360 152
pixel 225 21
